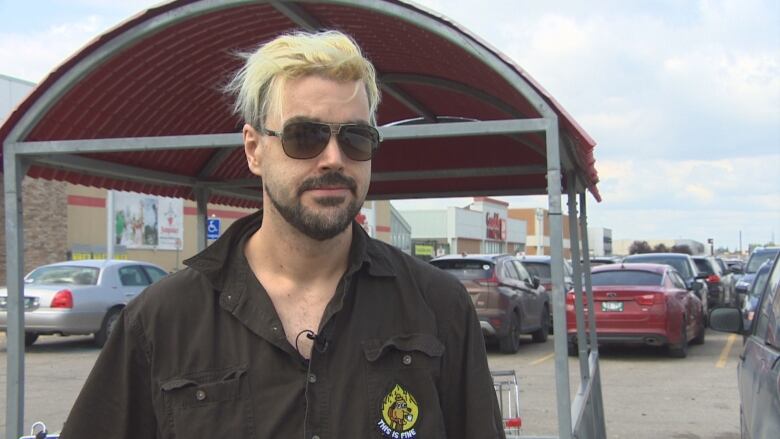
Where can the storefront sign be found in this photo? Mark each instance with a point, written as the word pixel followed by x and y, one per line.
pixel 147 221
pixel 496 227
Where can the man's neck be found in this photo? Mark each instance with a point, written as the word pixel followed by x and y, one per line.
pixel 278 249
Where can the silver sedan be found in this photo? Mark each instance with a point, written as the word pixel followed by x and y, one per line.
pixel 79 297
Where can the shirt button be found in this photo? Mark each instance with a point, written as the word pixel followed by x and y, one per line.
pixel 407 360
pixel 200 395
pixel 315 437
pixel 312 378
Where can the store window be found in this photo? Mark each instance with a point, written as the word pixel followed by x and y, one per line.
pixel 493 247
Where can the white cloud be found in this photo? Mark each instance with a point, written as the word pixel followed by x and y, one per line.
pixel 32 55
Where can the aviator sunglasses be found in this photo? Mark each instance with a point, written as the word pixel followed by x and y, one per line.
pixel 306 139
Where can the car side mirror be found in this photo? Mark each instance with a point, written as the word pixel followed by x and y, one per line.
pixel 727 320
pixel 534 282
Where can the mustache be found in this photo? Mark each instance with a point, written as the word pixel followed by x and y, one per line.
pixel 328 180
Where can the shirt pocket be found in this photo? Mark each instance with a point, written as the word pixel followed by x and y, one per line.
pixel 401 376
pixel 214 403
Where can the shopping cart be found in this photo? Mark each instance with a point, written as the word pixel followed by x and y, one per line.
pixel 38 431
pixel 508 394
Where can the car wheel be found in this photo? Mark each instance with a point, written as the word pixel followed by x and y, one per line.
pixel 699 339
pixel 30 338
pixel 680 350
pixel 510 343
pixel 540 335
pixel 109 322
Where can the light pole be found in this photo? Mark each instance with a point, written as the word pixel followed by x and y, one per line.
pixel 711 242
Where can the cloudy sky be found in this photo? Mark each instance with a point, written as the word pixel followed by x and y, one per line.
pixel 683 97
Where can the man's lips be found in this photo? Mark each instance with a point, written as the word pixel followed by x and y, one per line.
pixel 328 190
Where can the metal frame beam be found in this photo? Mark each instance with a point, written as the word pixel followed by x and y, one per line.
pixel 217 159
pixel 409 102
pixel 574 240
pixel 127 144
pixel 114 170
pixel 14 170
pixel 558 294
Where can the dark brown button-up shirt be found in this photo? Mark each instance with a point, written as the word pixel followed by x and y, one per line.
pixel 202 354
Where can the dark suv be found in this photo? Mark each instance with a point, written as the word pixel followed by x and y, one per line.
pixel 509 301
pixel 685 266
pixel 757 258
pixel 720 288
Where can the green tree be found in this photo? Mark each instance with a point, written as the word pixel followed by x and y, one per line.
pixel 639 247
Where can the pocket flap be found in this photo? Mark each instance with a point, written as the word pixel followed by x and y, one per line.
pixel 426 343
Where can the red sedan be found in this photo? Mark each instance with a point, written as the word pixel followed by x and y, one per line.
pixel 641 304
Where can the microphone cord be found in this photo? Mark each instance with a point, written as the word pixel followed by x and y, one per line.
pixel 311 335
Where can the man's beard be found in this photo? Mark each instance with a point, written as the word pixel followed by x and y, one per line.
pixel 318 226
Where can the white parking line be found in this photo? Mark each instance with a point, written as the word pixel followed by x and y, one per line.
pixel 724 354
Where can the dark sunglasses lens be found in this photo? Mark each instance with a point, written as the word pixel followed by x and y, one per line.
pixel 305 140
pixel 359 142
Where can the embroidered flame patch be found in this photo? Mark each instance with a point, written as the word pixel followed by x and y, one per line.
pixel 399 414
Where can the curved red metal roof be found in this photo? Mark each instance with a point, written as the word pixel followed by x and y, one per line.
pixel 166 82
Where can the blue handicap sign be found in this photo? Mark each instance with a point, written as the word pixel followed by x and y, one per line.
pixel 212 228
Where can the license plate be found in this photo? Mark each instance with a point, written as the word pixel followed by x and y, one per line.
pixel 612 306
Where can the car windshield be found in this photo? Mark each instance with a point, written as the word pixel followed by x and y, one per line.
pixel 703 265
pixel 538 269
pixel 625 277
pixel 758 258
pixel 759 284
pixel 63 275
pixel 466 269
pixel 678 263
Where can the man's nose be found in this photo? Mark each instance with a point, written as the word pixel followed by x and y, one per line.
pixel 332 157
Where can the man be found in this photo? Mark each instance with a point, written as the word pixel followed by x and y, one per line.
pixel 296 324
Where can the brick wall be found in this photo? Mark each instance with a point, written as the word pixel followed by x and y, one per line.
pixel 45 209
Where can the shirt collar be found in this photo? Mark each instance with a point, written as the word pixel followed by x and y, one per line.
pixel 216 258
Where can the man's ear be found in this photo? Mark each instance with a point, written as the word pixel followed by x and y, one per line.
pixel 252 148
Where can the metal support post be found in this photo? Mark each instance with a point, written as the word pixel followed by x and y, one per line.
pixel 202 200
pixel 563 396
pixel 594 346
pixel 110 227
pixel 14 248
pixel 582 340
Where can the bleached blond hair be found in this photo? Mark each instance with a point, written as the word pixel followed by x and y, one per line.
pixel 258 85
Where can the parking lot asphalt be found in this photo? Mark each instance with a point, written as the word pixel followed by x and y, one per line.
pixel 646 394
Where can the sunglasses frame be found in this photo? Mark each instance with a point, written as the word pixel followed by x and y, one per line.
pixel 335 129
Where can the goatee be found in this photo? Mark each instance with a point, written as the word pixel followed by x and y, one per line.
pixel 320 226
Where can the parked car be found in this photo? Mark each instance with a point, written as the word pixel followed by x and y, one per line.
pixel 648 304
pixel 758 257
pixel 685 267
pixel 509 301
pixel 736 266
pixel 754 294
pixel 79 297
pixel 758 371
pixel 602 260
pixel 539 266
pixel 720 288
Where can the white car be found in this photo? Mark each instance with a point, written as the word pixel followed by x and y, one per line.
pixel 79 297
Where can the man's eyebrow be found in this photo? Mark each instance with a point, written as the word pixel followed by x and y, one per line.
pixel 316 119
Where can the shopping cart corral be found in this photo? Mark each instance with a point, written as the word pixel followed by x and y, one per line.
pixel 39 431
